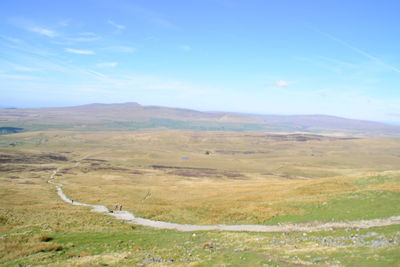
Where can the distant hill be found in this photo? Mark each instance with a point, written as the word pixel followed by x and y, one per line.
pixel 329 123
pixel 97 113
pixel 132 116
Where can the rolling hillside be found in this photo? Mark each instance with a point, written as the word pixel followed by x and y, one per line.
pixel 329 123
pixel 132 116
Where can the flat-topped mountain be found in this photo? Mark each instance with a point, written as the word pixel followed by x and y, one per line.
pixel 96 113
pixel 133 116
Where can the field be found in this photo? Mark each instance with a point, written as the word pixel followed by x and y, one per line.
pixel 197 178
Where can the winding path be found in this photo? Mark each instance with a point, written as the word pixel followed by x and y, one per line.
pixel 302 227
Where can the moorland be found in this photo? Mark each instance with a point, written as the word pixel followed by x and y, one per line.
pixel 224 169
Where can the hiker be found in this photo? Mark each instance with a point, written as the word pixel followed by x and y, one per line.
pixel 72 201
pixel 116 207
pixel 120 207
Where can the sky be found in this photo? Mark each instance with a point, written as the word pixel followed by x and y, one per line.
pixel 337 58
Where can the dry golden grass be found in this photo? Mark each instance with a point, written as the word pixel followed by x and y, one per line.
pixel 247 178
pixel 206 201
pixel 15 248
pixel 105 259
pixel 392 187
pixel 30 209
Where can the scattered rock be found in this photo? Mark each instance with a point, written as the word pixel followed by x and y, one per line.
pixel 209 244
pixel 369 234
pixel 319 259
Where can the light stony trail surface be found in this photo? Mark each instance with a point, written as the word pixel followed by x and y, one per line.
pixel 301 227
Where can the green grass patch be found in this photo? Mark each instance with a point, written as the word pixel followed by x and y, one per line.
pixel 351 206
pixel 158 124
pixel 375 180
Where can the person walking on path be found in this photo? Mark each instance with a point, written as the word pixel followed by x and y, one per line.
pixel 120 207
pixel 116 207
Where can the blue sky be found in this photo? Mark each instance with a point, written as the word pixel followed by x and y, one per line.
pixel 273 57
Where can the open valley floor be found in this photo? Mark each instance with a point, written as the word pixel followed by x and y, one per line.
pixel 199 178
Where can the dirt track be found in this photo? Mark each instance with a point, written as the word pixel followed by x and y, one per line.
pixel 302 227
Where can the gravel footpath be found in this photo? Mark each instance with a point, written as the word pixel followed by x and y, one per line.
pixel 302 227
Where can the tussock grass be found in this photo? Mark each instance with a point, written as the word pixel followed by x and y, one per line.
pixel 288 182
pixel 247 178
pixel 41 238
pixel 11 248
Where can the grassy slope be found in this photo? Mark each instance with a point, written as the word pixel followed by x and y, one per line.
pixel 74 237
pixel 38 228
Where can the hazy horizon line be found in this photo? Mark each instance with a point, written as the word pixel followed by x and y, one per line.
pixel 200 110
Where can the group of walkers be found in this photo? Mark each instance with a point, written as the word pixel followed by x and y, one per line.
pixel 116 207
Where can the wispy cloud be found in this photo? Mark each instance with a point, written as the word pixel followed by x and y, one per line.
pixel 359 51
pixel 24 68
pixel 95 90
pixel 10 39
pixel 323 63
pixel 43 31
pixel 18 47
pixel 107 65
pixel 98 75
pixel 186 48
pixel 338 62
pixel 64 22
pixel 163 23
pixel 84 37
pixel 79 51
pixel 18 77
pixel 17 67
pixel 118 27
pixel 121 49
pixel 281 83
pixel 29 25
pixel 156 83
pixel 149 15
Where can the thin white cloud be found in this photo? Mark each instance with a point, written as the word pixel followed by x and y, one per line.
pixel 64 22
pixel 359 51
pixel 150 16
pixel 152 38
pixel 107 65
pixel 119 27
pixel 186 48
pixel 23 68
pixel 322 63
pixel 281 83
pixel 94 90
pixel 10 39
pixel 43 31
pixel 338 62
pixel 98 75
pixel 121 49
pixel 163 23
pixel 17 77
pixel 28 25
pixel 84 37
pixel 18 67
pixel 79 51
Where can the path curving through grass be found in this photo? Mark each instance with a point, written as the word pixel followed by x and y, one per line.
pixel 287 227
